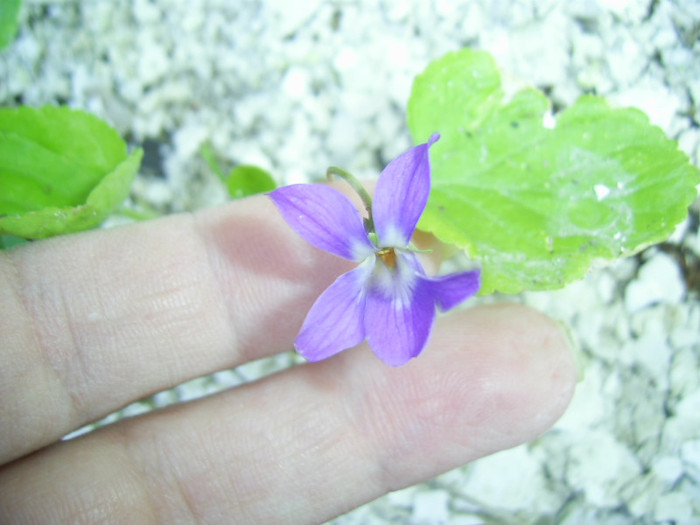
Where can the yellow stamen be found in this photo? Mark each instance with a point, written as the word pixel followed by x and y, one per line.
pixel 388 257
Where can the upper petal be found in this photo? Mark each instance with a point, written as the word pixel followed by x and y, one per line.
pixel 325 218
pixel 398 327
pixel 450 290
pixel 401 195
pixel 336 320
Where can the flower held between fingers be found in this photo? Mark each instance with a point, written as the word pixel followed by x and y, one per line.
pixel 387 299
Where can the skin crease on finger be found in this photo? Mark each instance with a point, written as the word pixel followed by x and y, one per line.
pixel 315 441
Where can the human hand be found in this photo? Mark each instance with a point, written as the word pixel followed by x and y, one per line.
pixel 91 322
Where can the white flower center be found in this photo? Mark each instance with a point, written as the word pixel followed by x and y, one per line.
pixel 392 275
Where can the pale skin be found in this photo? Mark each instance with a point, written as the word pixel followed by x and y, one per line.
pixel 93 321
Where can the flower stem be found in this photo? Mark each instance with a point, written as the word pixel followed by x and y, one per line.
pixel 359 189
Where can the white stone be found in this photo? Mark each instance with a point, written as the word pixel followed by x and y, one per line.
pixel 79 432
pixel 625 8
pixel 403 498
pixel 196 388
pixel 690 453
pixel 689 142
pixel 430 507
pixel 343 138
pixel 165 398
pixel 496 481
pixel 685 421
pixel 673 507
pixel 146 12
pixel 659 280
pixel 683 374
pixel 601 466
pixel 642 494
pixel 660 104
pixel 590 406
pixel 296 83
pixel 28 49
pixel 134 409
pixel 684 331
pixel 522 49
pixel 189 138
pixel 153 60
pixel 247 152
pixel 606 286
pixel 585 9
pixel 397 11
pixel 626 61
pixel 668 469
pixel 650 348
pixel 226 378
pixel 287 17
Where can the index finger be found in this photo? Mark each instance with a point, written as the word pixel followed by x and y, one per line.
pixel 94 321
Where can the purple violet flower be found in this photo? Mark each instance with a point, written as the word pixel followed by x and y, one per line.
pixel 387 299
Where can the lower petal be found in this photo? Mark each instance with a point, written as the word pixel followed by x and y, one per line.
pixel 450 290
pixel 336 320
pixel 398 330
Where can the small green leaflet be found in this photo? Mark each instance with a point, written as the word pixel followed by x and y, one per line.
pixel 536 205
pixel 61 171
pixel 9 11
pixel 245 180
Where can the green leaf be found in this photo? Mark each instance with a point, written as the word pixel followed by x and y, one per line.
pixel 10 241
pixel 9 13
pixel 247 180
pixel 538 204
pixel 61 171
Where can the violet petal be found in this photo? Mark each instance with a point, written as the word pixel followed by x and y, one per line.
pixel 401 195
pixel 325 218
pixel 398 329
pixel 336 320
pixel 450 290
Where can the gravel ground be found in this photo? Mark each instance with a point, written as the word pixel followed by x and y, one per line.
pixel 296 87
